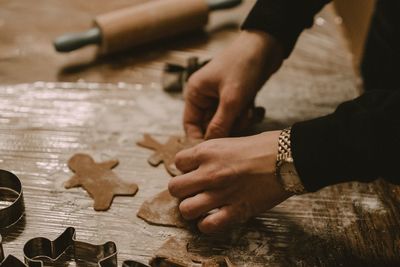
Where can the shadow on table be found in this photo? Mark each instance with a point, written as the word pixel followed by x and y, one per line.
pixel 11 233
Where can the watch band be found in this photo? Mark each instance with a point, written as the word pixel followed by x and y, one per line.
pixel 291 183
pixel 284 145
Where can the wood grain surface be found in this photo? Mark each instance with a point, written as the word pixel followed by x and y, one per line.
pixel 53 106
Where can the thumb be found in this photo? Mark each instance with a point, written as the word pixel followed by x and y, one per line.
pixel 223 120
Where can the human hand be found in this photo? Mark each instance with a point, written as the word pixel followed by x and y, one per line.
pixel 228 180
pixel 220 96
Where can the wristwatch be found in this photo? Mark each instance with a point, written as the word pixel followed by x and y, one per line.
pixel 285 169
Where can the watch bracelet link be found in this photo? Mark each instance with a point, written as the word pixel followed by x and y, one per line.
pixel 285 155
pixel 284 145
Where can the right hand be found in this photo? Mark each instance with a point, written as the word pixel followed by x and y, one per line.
pixel 228 180
pixel 220 96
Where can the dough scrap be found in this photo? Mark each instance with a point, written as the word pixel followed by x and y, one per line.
pixel 174 253
pixel 162 210
pixel 166 152
pixel 98 180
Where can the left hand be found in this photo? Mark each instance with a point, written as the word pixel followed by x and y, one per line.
pixel 233 177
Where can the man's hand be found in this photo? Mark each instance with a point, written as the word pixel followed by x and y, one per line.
pixel 220 96
pixel 228 180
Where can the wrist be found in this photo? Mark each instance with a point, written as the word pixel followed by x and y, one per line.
pixel 265 47
pixel 261 39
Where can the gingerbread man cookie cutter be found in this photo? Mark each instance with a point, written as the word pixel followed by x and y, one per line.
pixel 98 180
pixel 175 76
pixel 10 188
pixel 40 249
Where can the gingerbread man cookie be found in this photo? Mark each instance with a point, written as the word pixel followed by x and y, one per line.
pixel 98 180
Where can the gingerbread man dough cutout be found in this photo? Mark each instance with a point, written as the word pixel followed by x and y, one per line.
pixel 98 180
pixel 166 152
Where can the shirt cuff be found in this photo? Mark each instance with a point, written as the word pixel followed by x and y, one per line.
pixel 355 143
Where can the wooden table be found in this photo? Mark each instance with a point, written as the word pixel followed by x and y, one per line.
pixel 53 105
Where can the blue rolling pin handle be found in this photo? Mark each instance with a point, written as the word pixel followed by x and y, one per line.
pixel 73 41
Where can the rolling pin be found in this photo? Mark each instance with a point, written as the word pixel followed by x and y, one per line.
pixel 144 23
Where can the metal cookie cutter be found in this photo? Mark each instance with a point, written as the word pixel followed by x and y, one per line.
pixel 42 249
pixel 10 186
pixel 10 261
pixel 133 264
pixel 175 76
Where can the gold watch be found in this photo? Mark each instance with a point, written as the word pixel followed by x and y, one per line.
pixel 285 169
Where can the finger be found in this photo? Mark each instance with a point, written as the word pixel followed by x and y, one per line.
pixel 200 204
pixel 187 160
pixel 243 122
pixel 188 184
pixel 223 119
pixel 218 221
pixel 197 102
pixel 209 114
pixel 192 120
pixel 252 116
pixel 258 115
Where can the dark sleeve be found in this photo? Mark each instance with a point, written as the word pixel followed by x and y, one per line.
pixel 283 19
pixel 360 141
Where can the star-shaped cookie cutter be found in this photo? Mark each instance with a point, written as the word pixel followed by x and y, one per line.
pixel 10 261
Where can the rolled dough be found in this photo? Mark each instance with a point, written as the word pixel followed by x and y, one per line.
pixel 174 253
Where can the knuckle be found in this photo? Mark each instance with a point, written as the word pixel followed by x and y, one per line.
pixel 195 83
pixel 186 210
pixel 173 188
pixel 207 146
pixel 231 102
pixel 194 89
pixel 209 225
pixel 179 160
pixel 217 177
pixel 201 150
pixel 212 177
